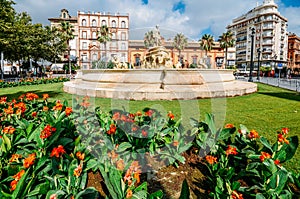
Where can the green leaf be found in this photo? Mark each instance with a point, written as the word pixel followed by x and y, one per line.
pixel 29 128
pixel 92 164
pixel 90 193
pixel 266 143
pixel 185 191
pixel 123 147
pixel 260 196
pixel 40 189
pixel 156 195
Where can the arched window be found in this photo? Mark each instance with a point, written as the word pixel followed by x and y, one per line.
pixel 103 23
pixel 113 35
pixel 94 23
pixel 95 57
pixel 123 24
pixel 83 22
pixel 94 35
pixel 113 24
pixel 64 15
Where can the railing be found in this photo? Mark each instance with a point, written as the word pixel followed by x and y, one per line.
pixel 290 84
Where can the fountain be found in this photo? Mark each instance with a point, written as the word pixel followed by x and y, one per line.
pixel 157 79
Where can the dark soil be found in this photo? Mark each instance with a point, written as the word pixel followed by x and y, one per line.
pixel 168 178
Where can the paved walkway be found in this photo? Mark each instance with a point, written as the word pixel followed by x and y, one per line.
pixel 290 84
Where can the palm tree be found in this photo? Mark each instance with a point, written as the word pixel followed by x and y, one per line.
pixel 206 43
pixel 68 30
pixel 226 41
pixel 104 36
pixel 180 42
pixel 149 39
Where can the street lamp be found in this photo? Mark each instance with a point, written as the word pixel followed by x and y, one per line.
pixel 258 63
pixel 251 56
pixel 69 54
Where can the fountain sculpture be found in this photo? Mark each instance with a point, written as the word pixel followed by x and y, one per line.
pixel 157 79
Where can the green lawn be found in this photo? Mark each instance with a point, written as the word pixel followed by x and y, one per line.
pixel 266 111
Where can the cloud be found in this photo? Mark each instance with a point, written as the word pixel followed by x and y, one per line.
pixel 196 17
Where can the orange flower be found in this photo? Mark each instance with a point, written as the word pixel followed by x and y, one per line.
pixel 9 130
pixel 9 110
pixel 19 175
pixel 68 111
pixel 236 195
pixel 171 115
pixel 129 193
pixel 149 113
pixel 253 134
pixel 15 158
pixel 53 196
pixel 80 155
pixel 58 106
pixel 47 132
pixel 120 165
pixel 21 106
pixel 29 161
pixel 116 116
pixel 139 113
pixel 45 96
pixel 231 150
pixel 13 185
pixel 3 100
pixel 58 151
pixel 211 159
pixel 229 126
pixel 45 108
pixel 175 143
pixel 78 170
pixel 112 129
pixel 31 96
pixel 264 155
pixel 282 139
pixel 112 154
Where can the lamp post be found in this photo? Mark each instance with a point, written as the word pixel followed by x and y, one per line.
pixel 258 63
pixel 70 67
pixel 251 56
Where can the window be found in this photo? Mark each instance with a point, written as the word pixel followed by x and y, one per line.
pixel 113 35
pixel 94 35
pixel 94 23
pixel 123 36
pixel 84 57
pixel 123 24
pixel 103 23
pixel 123 46
pixel 83 22
pixel 113 24
pixel 84 34
pixel 194 59
pixel 84 45
pixel 95 57
pixel 64 15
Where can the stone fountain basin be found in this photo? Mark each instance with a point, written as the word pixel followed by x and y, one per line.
pixel 158 84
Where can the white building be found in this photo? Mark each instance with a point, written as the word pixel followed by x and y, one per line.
pixel 270 38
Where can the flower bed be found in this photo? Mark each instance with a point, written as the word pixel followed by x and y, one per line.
pixel 32 81
pixel 49 149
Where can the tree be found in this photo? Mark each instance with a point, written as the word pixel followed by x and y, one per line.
pixel 149 39
pixel 206 43
pixel 226 41
pixel 104 36
pixel 67 30
pixel 180 42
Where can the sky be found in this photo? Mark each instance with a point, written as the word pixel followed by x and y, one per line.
pixel 193 18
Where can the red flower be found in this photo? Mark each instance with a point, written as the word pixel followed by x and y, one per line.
pixel 58 106
pixel 31 96
pixel 77 171
pixel 13 185
pixel 264 155
pixel 68 111
pixel 285 131
pixel 9 130
pixel 253 134
pixel 144 133
pixel 149 113
pixel 58 151
pixel 231 151
pixel 45 96
pixel 3 100
pixel 112 129
pixel 33 114
pixel 15 158
pixel 236 195
pixel 116 116
pixel 47 132
pixel 277 162
pixel 80 155
pixel 282 139
pixel 171 115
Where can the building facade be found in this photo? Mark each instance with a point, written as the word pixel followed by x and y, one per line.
pixel 85 45
pixel 267 29
pixel 294 52
pixel 192 54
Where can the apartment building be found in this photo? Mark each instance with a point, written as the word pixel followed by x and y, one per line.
pixel 294 52
pixel 268 28
pixel 85 45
